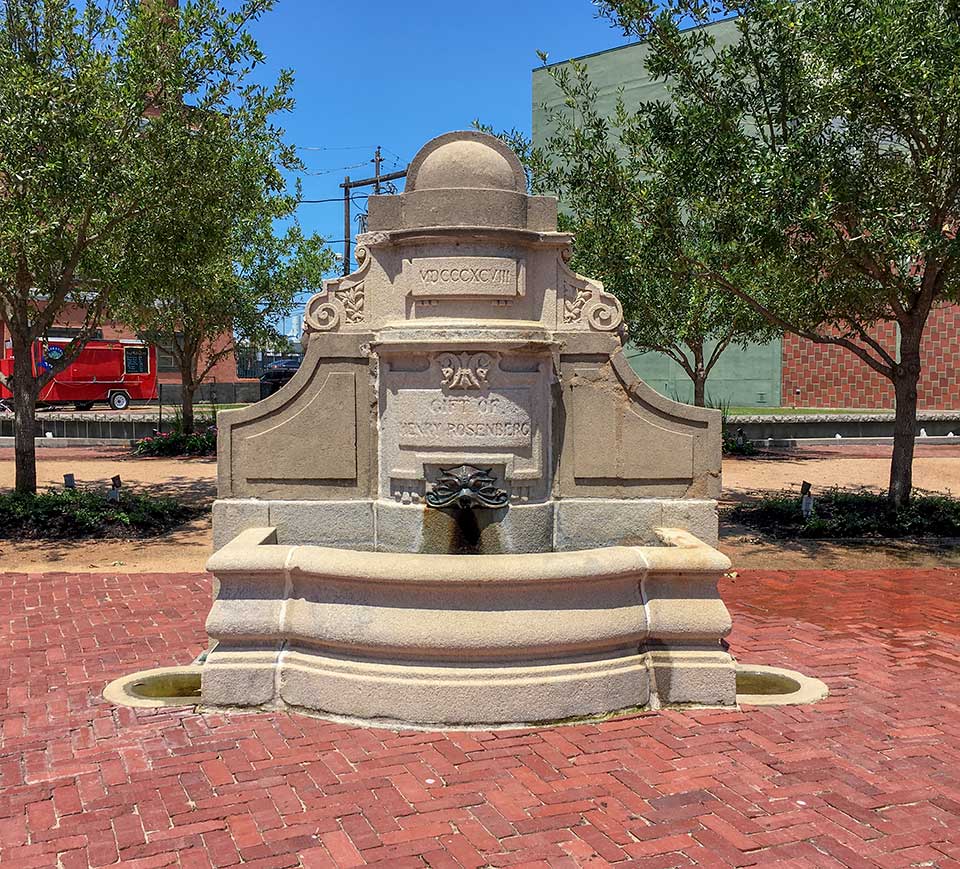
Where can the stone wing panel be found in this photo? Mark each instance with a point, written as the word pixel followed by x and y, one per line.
pixel 277 448
pixel 621 439
pixel 306 441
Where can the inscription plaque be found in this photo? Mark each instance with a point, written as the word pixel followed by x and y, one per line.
pixel 428 418
pixel 472 276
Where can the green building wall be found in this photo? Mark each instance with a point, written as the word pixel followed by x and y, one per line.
pixel 744 377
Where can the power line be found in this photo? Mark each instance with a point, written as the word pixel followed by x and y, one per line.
pixel 333 147
pixel 334 169
pixel 333 199
pixel 349 186
pixel 399 159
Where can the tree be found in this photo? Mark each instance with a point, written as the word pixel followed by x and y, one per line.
pixel 596 165
pixel 815 163
pixel 592 163
pixel 218 272
pixel 94 97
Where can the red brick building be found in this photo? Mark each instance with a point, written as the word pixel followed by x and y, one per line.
pixel 830 376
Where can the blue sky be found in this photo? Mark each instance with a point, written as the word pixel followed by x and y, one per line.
pixel 398 73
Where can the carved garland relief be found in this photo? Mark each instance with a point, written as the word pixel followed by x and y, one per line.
pixel 465 370
pixel 574 301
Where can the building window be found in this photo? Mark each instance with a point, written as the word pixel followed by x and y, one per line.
pixel 67 332
pixel 165 360
pixel 136 360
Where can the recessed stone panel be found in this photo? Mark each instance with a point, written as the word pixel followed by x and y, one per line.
pixel 467 406
pixel 431 418
pixel 468 276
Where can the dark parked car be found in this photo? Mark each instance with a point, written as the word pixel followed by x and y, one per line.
pixel 277 374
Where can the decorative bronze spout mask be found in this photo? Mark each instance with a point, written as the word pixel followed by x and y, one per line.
pixel 466 487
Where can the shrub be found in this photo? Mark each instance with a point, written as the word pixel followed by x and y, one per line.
pixel 732 448
pixel 202 442
pixel 77 513
pixel 841 513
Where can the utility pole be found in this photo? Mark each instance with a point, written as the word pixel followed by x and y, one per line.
pixel 346 224
pixel 376 182
pixel 377 160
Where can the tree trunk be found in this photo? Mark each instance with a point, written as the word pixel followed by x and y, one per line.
pixel 700 389
pixel 186 406
pixel 906 376
pixel 25 420
pixel 699 375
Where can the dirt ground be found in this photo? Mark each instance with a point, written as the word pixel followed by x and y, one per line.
pixel 192 480
pixel 936 469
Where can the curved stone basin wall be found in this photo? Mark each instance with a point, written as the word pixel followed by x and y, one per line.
pixel 487 639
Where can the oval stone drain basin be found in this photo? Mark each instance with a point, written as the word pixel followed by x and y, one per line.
pixel 164 686
pixel 758 685
pixel 752 682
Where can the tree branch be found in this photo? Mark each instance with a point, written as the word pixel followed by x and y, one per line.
pixel 774 318
pixel 760 85
pixel 86 332
pixel 717 352
pixel 678 356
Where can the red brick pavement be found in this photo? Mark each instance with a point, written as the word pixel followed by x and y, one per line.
pixel 868 777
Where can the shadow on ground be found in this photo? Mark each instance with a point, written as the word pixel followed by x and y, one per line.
pixel 746 547
pixel 187 490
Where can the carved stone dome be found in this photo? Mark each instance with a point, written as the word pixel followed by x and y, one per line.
pixel 466 160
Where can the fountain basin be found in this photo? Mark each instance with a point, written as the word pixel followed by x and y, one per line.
pixel 450 639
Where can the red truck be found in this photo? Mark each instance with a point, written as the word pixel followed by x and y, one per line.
pixel 114 371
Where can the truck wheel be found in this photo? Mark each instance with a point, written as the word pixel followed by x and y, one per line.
pixel 119 401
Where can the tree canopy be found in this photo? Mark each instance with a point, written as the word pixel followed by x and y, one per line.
pixel 810 170
pixel 218 267
pixel 99 104
pixel 598 166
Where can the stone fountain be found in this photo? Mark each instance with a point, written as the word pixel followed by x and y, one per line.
pixel 466 508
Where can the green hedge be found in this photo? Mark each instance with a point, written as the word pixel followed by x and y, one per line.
pixel 176 443
pixel 76 513
pixel 841 513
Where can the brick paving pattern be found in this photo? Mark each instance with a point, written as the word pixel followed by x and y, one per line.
pixel 868 777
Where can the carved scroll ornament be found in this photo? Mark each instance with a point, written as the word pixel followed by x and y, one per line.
pixel 584 304
pixel 340 303
pixel 465 370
